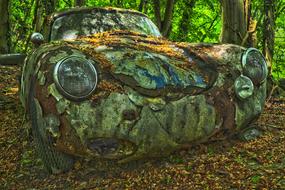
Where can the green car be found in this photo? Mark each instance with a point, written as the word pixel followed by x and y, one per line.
pixel 103 83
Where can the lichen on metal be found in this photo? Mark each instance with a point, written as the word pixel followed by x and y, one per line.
pixel 70 26
pixel 153 96
pixel 188 119
pixel 40 121
pixel 251 107
pixel 41 78
pixel 152 66
pixel 31 67
pixel 154 131
pixel 152 72
pixel 47 125
pixel 139 100
pixel 81 130
pixel 109 114
pixel 156 104
pixel 52 123
pixel 57 56
pixel 62 105
pixel 101 48
pixel 52 90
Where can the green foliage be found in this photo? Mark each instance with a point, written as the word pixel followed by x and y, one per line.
pixel 167 180
pixel 27 158
pixel 255 179
pixel 176 159
pixel 279 48
pixel 21 19
pixel 202 23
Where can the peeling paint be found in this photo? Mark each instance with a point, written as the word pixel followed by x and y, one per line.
pixel 52 125
pixel 57 57
pixel 47 125
pixel 155 104
pixel 153 96
pixel 40 120
pixel 41 78
pixel 54 92
pixel 249 109
pixel 62 105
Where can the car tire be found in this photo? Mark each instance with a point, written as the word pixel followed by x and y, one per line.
pixel 53 160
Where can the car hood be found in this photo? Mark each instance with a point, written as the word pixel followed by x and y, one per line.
pixel 153 66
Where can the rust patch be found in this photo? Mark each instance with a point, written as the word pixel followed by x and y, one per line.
pixel 135 41
pixel 130 115
pixel 103 63
pixel 189 58
pixel 110 86
pixel 48 103
pixel 68 142
pixel 223 102
pixel 104 89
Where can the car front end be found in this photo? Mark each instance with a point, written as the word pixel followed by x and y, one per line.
pixel 124 96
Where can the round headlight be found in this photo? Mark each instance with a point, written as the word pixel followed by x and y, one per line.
pixel 254 65
pixel 243 87
pixel 75 77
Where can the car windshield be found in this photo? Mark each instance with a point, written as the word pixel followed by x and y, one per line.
pixel 82 24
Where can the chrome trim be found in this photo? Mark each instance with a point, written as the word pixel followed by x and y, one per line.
pixel 244 57
pixel 243 84
pixel 61 89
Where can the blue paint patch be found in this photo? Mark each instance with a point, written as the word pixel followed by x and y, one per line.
pixel 174 77
pixel 152 71
pixel 199 80
pixel 159 80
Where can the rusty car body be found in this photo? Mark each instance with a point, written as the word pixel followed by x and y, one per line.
pixel 105 84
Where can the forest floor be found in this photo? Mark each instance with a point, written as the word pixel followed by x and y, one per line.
pixel 228 164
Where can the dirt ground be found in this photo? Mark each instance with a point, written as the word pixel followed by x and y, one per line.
pixel 228 164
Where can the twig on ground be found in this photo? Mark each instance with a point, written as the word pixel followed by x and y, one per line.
pixel 270 95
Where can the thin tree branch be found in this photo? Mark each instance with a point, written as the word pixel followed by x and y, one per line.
pixel 142 4
pixel 210 27
pixel 156 4
pixel 167 17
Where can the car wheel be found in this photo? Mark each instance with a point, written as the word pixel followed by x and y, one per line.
pixel 54 160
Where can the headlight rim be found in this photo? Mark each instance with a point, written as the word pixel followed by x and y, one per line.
pixel 238 92
pixel 244 62
pixel 59 86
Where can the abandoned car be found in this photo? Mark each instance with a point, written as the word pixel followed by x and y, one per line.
pixel 104 83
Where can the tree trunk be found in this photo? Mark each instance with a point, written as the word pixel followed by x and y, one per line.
pixel 156 6
pixel 234 21
pixel 142 5
pixel 79 3
pixel 38 16
pixel 165 25
pixel 50 6
pixel 268 33
pixel 42 9
pixel 250 40
pixel 167 20
pixel 4 27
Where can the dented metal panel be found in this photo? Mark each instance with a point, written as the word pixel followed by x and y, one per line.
pixel 153 96
pixel 48 126
pixel 250 108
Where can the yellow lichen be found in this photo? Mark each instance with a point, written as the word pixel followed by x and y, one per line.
pixel 105 88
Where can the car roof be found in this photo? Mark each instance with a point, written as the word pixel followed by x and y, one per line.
pixel 92 9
